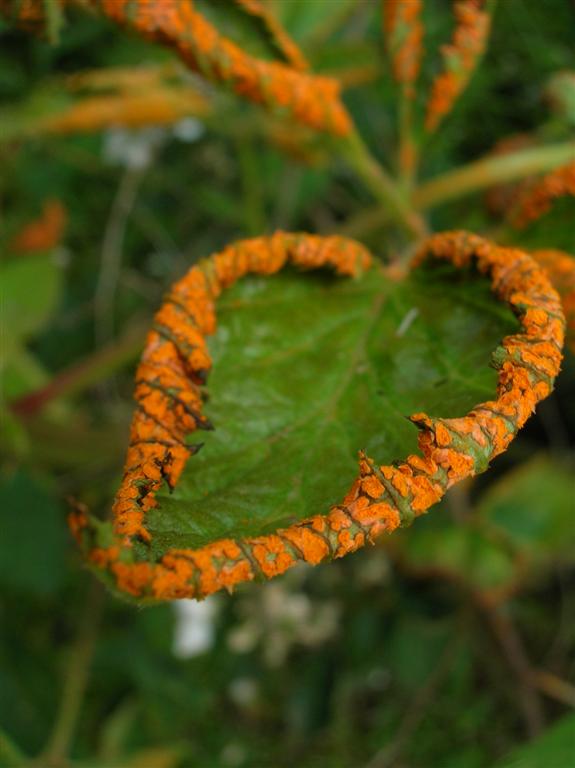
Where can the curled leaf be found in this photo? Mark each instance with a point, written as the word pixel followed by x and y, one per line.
pixel 44 232
pixel 538 198
pixel 403 34
pixel 472 25
pixel 310 99
pixel 560 267
pixel 287 47
pixel 169 399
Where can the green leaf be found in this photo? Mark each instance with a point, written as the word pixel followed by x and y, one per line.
pixel 34 524
pixel 533 506
pixel 310 369
pixel 30 290
pixel 522 524
pixel 554 749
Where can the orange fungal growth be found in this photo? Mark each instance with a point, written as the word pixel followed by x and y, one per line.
pixel 313 100
pixel 169 385
pixel 460 56
pixel 280 37
pixel 310 99
pixel 160 106
pixel 560 267
pixel 538 198
pixel 42 233
pixel 403 33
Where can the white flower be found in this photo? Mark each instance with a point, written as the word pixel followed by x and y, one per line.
pixel 195 626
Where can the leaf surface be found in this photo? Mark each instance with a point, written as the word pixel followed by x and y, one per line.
pixel 309 372
pixel 310 369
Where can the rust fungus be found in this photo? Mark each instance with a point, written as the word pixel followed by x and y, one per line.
pixel 403 32
pixel 175 362
pixel 472 25
pixel 44 232
pixel 538 198
pixel 283 42
pixel 560 267
pixel 313 100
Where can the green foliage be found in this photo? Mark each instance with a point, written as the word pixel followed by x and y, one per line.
pixel 375 655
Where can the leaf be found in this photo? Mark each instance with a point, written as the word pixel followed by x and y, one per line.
pixel 300 391
pixel 30 290
pixel 554 749
pixel 533 505
pixel 522 525
pixel 179 25
pixel 33 521
pixel 538 197
pixel 560 267
pixel 460 58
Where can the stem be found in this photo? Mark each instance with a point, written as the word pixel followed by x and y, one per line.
pixel 84 373
pixel 111 262
pixel 254 214
pixel 383 186
pixel 514 651
pixel 490 171
pixel 389 755
pixel 554 687
pixel 466 180
pixel 76 679
pixel 407 147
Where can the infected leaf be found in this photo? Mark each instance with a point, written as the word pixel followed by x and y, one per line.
pixel 538 198
pixel 472 26
pixel 311 99
pixel 403 32
pixel 169 394
pixel 560 267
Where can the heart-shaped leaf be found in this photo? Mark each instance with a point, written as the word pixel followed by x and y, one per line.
pixel 308 371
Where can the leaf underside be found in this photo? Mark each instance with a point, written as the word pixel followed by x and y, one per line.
pixel 308 370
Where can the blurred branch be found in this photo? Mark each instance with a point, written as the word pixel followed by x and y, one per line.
pixel 388 755
pixel 554 687
pixel 514 651
pixel 384 188
pixel 468 179
pixel 112 251
pixel 86 372
pixel 489 171
pixel 76 678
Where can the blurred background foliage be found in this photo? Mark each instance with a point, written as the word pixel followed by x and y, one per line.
pixel 449 645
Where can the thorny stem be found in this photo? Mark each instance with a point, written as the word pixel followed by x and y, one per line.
pixel 383 187
pixel 76 679
pixel 490 171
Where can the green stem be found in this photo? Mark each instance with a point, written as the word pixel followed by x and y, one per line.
pixel 76 679
pixel 479 175
pixel 254 213
pixel 383 187
pixel 491 170
pixel 407 148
